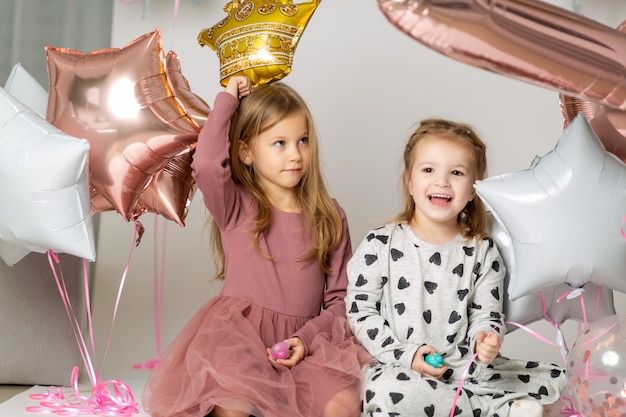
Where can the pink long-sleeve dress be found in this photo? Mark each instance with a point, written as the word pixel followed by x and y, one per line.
pixel 219 357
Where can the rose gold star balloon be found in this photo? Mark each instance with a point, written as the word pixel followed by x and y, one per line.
pixel 122 102
pixel 258 38
pixel 194 105
pixel 529 40
pixel 171 189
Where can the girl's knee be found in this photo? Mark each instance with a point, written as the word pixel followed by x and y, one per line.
pixel 346 403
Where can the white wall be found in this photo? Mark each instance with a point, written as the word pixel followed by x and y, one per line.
pixel 367 83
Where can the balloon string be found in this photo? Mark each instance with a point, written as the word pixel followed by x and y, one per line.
pixel 460 386
pixel 54 261
pixel 119 291
pixel 159 283
pixel 568 410
pixel 117 400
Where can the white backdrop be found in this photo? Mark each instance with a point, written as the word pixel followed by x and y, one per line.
pixel 367 83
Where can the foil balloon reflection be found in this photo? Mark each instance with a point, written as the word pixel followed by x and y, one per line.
pixel 258 38
pixel 194 105
pixel 172 188
pixel 529 40
pixel 609 123
pixel 596 368
pixel 44 187
pixel 122 102
pixel 563 215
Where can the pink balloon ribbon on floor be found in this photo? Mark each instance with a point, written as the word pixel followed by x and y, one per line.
pixel 110 397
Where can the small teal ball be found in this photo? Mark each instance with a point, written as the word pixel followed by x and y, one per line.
pixel 434 359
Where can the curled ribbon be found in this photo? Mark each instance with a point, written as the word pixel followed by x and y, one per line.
pixel 108 398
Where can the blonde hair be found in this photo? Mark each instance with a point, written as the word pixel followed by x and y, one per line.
pixel 473 219
pixel 266 106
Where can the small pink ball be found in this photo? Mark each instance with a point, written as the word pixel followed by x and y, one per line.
pixel 280 350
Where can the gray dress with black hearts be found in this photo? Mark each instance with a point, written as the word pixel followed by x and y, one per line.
pixel 404 292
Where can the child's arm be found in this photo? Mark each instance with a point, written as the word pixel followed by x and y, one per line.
pixel 210 166
pixel 485 312
pixel 334 295
pixel 367 279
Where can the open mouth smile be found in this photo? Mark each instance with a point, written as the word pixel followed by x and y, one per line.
pixel 440 196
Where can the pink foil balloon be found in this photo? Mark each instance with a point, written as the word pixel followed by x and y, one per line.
pixel 608 123
pixel 122 102
pixel 528 40
pixel 194 105
pixel 172 188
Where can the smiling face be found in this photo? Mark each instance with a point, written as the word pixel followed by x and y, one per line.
pixel 440 180
pixel 280 156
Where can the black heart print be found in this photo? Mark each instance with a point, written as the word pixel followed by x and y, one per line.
pixel 400 308
pixel 435 259
pixel 462 294
pixel 370 259
pixel 372 333
pixel 360 281
pixel 427 316
pixel 458 270
pixel 387 341
pixel 496 293
pixel 430 286
pixel 396 397
pixel 430 410
pixel 468 251
pixel 403 283
pixel 396 254
pixel 524 378
pixel 454 317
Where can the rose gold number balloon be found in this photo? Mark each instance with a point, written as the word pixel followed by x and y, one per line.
pixel 525 39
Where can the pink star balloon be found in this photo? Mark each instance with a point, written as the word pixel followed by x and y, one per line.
pixel 123 103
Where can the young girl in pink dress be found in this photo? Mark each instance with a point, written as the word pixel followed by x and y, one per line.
pixel 283 245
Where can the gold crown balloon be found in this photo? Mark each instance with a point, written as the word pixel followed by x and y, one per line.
pixel 258 38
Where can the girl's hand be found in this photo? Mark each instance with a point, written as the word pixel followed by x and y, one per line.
pixel 296 347
pixel 420 365
pixel 239 86
pixel 487 346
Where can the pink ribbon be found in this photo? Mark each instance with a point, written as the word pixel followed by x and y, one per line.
pixel 108 398
pixel 159 283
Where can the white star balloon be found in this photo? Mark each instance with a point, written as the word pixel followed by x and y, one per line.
pixel 563 215
pixel 44 186
pixel 24 87
pixel 555 304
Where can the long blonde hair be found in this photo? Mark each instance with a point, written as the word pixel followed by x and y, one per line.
pixel 473 219
pixel 267 105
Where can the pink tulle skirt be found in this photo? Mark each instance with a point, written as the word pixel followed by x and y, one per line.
pixel 220 358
